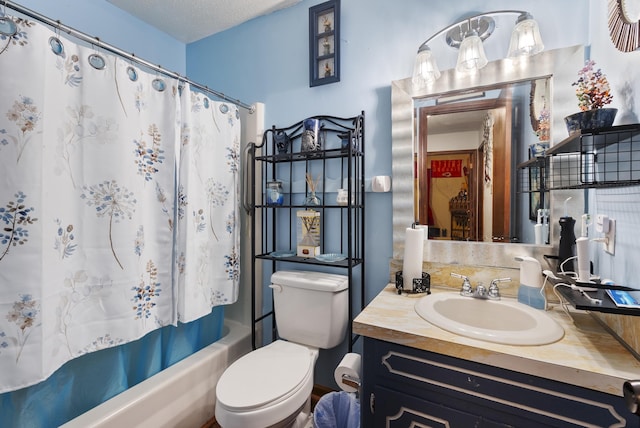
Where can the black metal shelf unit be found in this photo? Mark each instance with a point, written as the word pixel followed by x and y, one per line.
pixel 595 158
pixel 338 163
pixel 605 157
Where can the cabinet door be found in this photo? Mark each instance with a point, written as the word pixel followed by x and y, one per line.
pixel 394 409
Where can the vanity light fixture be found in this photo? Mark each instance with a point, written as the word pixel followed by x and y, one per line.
pixel 471 56
pixel 468 36
pixel 525 37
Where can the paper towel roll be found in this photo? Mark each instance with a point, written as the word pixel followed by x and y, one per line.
pixel 413 253
pixel 349 366
pixel 537 233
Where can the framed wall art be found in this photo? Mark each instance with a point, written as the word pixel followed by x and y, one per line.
pixel 324 43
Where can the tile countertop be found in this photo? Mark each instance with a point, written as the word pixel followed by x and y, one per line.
pixel 587 355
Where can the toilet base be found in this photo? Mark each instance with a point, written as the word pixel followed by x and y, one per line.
pixel 300 419
pixel 303 420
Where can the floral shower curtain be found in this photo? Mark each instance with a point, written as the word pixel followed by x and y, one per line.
pixel 118 199
pixel 207 207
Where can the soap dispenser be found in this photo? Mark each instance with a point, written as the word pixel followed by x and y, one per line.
pixel 530 291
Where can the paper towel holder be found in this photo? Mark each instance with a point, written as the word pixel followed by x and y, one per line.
pixel 420 285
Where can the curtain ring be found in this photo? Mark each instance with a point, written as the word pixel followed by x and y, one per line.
pixel 55 43
pixel 95 59
pixel 7 26
pixel 131 71
pixel 158 83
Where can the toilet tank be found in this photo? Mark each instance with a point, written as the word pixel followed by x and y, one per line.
pixel 311 308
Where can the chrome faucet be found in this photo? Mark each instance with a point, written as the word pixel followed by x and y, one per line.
pixel 481 292
pixel 494 290
pixel 466 289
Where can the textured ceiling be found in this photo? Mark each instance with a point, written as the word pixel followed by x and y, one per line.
pixel 191 20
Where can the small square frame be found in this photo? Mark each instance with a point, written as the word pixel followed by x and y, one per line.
pixel 324 43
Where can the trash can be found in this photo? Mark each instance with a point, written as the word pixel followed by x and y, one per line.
pixel 337 410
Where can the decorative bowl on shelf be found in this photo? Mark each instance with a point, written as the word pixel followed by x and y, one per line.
pixel 331 257
pixel 590 119
pixel 282 253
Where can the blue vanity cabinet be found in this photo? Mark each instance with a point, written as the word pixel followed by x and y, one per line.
pixel 405 387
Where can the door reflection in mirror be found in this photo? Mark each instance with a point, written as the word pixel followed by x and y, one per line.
pixel 484 133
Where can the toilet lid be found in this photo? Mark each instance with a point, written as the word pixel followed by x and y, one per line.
pixel 264 375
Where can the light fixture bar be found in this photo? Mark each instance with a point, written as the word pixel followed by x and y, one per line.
pixel 468 35
pixel 457 24
pixel 483 25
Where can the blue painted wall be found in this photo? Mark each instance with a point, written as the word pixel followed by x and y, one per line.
pixel 266 60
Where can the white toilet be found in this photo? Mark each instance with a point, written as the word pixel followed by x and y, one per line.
pixel 271 386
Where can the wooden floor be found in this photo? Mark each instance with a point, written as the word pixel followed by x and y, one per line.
pixel 318 391
pixel 211 424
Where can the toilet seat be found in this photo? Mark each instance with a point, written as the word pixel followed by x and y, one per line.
pixel 265 386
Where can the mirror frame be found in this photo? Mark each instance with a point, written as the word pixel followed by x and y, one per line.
pixel 561 65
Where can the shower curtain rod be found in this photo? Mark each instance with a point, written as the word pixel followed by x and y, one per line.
pixel 107 47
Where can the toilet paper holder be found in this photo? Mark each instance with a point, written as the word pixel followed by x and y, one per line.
pixel 348 373
pixel 350 381
pixel 420 285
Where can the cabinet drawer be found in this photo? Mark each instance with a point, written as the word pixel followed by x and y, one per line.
pixel 444 380
pixel 397 410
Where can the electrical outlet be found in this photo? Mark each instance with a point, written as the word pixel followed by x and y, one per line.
pixel 609 244
pixel 602 223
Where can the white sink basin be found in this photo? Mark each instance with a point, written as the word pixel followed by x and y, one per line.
pixel 501 321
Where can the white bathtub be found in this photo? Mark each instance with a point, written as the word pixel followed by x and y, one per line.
pixel 182 395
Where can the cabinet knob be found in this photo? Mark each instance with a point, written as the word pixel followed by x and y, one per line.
pixel 472 381
pixel 631 392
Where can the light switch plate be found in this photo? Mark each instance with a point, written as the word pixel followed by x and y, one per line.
pixel 381 183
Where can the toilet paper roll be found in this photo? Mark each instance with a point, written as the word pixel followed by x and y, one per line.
pixel 413 254
pixel 349 366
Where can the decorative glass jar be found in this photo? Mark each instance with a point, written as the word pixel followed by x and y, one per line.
pixel 274 193
pixel 312 200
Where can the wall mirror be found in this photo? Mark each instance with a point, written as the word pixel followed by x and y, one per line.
pixel 468 188
pixel 503 87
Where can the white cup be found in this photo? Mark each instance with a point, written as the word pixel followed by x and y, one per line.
pixel 343 197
